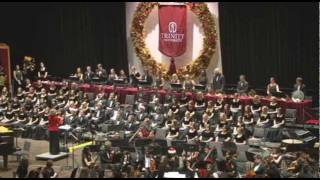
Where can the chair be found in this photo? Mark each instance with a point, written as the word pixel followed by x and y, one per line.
pixel 290 116
pixel 25 150
pixel 161 134
pixel 241 156
pixel 130 99
pixel 91 96
pixel 259 132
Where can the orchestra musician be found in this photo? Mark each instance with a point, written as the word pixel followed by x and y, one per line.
pixel 188 83
pixel 101 73
pixel 112 76
pixel 202 80
pixel 174 79
pixel 88 74
pixel 218 81
pixel 18 77
pixel 273 88
pixel 79 74
pixel 300 86
pixel 243 85
pixel 134 76
pixel 55 120
pixel 42 73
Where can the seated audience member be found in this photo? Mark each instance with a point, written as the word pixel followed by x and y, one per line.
pixel 48 171
pixel 22 170
pixel 88 158
pixel 173 131
pixel 122 76
pixel 35 173
pixel 242 86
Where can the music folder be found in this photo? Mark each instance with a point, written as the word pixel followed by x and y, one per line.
pixel 199 87
pixel 176 86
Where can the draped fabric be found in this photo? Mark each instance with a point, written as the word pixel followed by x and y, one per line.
pixel 173 28
pixel 268 39
pixel 66 35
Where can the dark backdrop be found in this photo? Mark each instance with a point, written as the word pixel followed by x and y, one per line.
pixel 262 40
pixel 66 35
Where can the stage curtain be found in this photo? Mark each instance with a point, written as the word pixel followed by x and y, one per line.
pixel 66 35
pixel 262 40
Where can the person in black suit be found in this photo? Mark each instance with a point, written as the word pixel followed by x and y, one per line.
pixel 130 124
pixel 218 81
pixel 300 86
pixel 243 85
pixel 148 77
pixel 101 72
pixel 88 75
pixel 99 114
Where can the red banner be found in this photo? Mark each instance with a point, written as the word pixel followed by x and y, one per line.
pixel 5 63
pixel 173 29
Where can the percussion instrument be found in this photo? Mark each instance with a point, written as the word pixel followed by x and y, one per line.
pixel 251 152
pixel 292 141
pixel 292 144
pixel 297 95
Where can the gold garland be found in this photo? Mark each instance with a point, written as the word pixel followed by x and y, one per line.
pixel 201 10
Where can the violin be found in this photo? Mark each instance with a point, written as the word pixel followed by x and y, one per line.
pixel 153 165
pixel 250 174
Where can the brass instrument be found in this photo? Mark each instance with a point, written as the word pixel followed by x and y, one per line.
pixel 135 134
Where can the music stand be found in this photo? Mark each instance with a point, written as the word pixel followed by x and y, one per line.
pixel 190 147
pixel 250 156
pixel 144 83
pixel 119 82
pixel 200 87
pixel 176 86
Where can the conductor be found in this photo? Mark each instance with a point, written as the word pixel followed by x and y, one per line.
pixel 55 120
